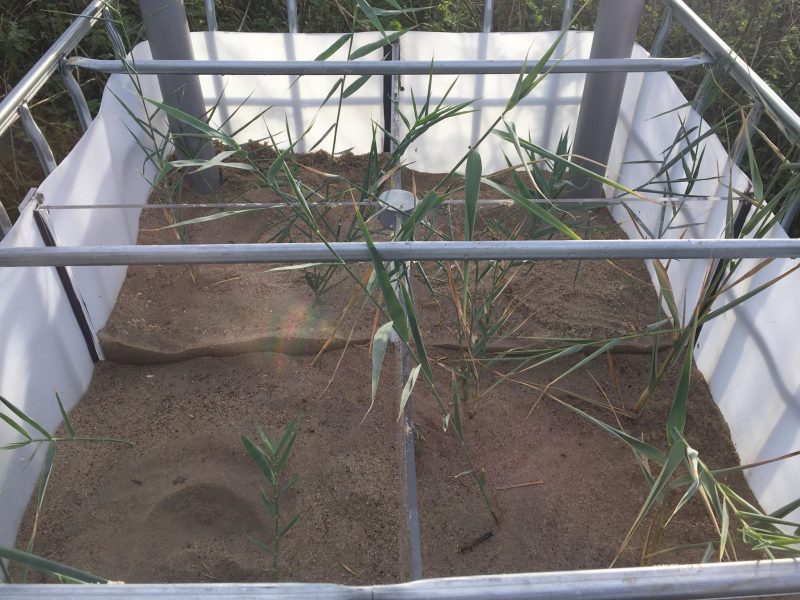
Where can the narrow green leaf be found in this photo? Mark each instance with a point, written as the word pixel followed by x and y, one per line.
pixel 674 459
pixel 331 50
pixel 677 413
pixel 372 46
pixel 723 530
pixel 379 343
pixel 258 456
pixel 201 126
pixel 416 333
pixel 265 547
pixel 269 506
pixel 586 360
pixel 635 444
pixel 665 288
pixel 534 209
pixel 355 86
pixel 25 418
pixel 370 13
pixel 456 399
pixel 284 455
pixel 48 567
pixel 393 305
pixel 291 524
pixel 473 184
pixel 65 416
pixel 408 388
pixel 16 426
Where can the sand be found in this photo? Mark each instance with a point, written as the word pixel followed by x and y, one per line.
pixel 198 356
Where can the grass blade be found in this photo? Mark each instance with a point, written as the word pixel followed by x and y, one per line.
pixel 49 567
pixel 473 184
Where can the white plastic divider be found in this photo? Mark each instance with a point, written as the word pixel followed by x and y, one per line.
pixel 747 355
pixel 42 351
pixel 550 110
pixel 270 102
pixel 749 351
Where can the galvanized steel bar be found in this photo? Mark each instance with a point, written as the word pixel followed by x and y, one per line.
pixel 378 67
pixel 169 39
pixel 351 252
pixel 35 135
pixel 76 95
pixel 488 14
pixel 748 579
pixel 291 15
pixel 34 79
pixel 775 107
pixel 566 17
pixel 614 37
pixel 211 15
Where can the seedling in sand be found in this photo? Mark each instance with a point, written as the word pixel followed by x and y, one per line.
pixel 271 460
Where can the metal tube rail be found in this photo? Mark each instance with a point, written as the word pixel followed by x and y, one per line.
pixel 746 579
pixel 775 107
pixel 352 252
pixel 379 67
pixel 211 14
pixel 34 79
pixel 291 15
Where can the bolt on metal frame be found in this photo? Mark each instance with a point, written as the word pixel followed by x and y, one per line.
pixel 744 579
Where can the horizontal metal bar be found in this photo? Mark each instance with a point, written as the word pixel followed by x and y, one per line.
pixel 358 252
pixel 380 67
pixel 776 108
pixel 34 79
pixel 453 202
pixel 748 579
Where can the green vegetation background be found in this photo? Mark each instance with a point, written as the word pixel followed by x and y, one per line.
pixel 765 32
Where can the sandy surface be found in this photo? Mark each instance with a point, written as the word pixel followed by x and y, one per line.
pixel 201 355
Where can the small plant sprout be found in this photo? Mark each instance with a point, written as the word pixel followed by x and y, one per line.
pixel 271 459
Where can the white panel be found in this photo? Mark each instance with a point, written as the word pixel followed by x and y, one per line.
pixel 747 355
pixel 287 99
pixel 750 358
pixel 42 351
pixel 550 110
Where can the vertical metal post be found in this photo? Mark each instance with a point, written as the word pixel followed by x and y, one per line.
pixel 488 13
pixel 211 15
pixel 566 18
pixel 662 34
pixel 76 94
pixel 291 15
pixel 400 204
pixel 35 135
pixel 614 36
pixel 168 34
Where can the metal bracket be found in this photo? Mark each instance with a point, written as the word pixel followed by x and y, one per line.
pixel 35 135
pixel 76 94
pixel 74 298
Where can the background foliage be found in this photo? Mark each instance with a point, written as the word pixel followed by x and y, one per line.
pixel 766 33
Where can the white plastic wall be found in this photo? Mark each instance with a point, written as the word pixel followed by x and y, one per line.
pixel 746 355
